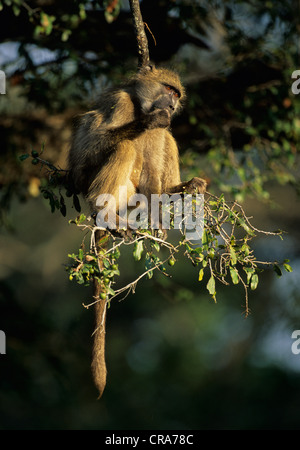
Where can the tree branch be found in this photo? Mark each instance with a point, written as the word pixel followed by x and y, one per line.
pixel 142 41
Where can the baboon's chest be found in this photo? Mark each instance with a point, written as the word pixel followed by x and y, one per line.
pixel 148 168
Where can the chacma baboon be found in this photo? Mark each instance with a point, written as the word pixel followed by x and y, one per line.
pixel 126 141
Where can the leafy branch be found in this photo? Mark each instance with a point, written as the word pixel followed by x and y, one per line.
pixel 56 181
pixel 44 23
pixel 224 254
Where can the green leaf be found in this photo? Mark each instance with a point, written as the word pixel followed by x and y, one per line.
pixel 287 267
pixel 234 275
pixel 116 253
pixel 211 286
pixel 112 9
pixel 80 219
pixel 245 249
pixel 201 273
pixel 138 250
pixel 23 157
pixel 155 245
pixel 211 253
pixel 106 264
pixel 254 281
pixel 47 22
pixel 277 270
pixel 76 203
pixel 148 265
pixel 16 10
pixel 103 240
pixel 244 225
pixel 52 202
pixel 205 240
pixel 80 254
pixel 65 35
pixel 204 263
pixel 63 208
pixel 233 256
pixel 249 271
pixel 110 290
pixel 82 12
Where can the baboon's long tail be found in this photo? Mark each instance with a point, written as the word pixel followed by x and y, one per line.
pixel 98 359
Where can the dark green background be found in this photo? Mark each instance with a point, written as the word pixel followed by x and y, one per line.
pixel 176 360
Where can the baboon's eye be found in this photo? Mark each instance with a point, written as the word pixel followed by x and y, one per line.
pixel 172 90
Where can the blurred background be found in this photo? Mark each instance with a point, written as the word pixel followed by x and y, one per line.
pixel 176 360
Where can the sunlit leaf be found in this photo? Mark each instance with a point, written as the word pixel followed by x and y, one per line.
pixel 148 265
pixel 155 245
pixel 287 267
pixel 211 286
pixel 234 275
pixel 233 256
pixel 65 35
pixel 138 250
pixel 249 271
pixel 254 281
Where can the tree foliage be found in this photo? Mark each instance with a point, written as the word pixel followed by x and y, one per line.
pixel 240 126
pixel 223 253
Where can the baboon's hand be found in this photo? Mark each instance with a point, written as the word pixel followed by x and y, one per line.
pixel 195 185
pixel 124 234
pixel 159 118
